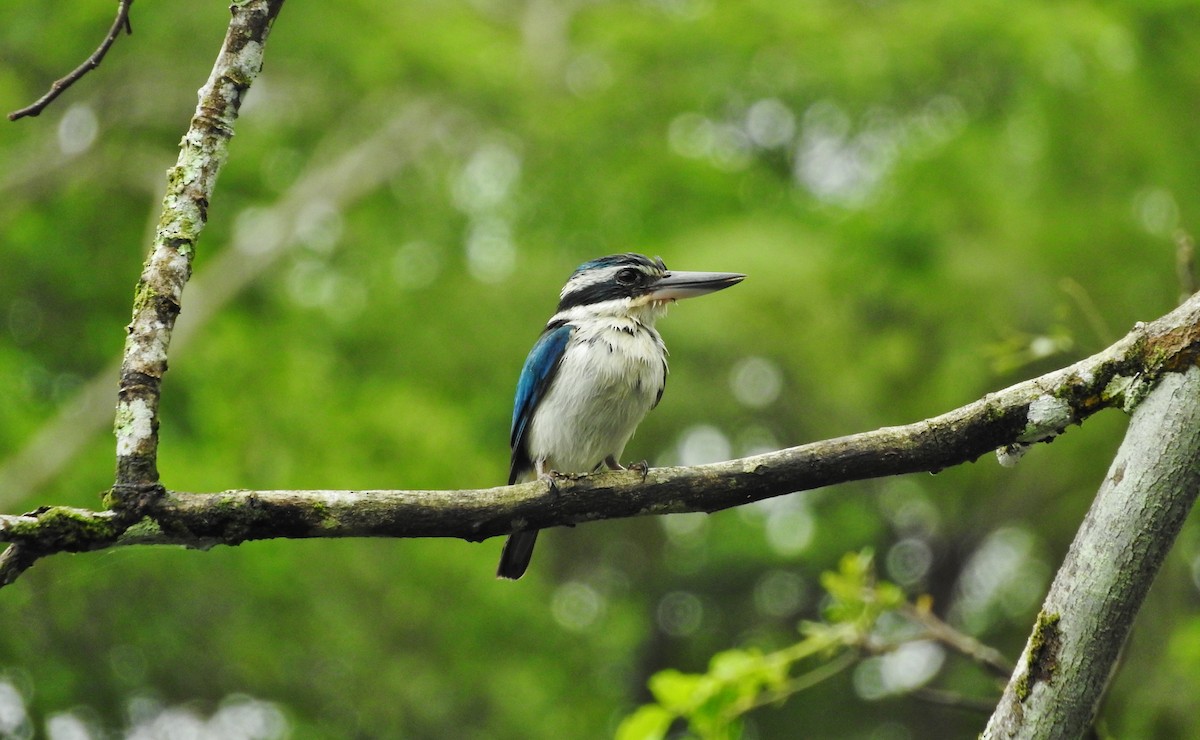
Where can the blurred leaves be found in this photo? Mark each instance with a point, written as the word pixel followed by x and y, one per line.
pixel 738 681
pixel 931 202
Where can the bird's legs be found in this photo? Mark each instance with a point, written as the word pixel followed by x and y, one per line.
pixel 551 477
pixel 638 467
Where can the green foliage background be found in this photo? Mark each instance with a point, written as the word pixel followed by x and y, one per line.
pixel 932 201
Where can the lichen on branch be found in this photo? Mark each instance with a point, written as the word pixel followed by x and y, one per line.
pixel 158 297
pixel 1040 408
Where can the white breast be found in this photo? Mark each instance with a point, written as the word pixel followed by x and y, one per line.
pixel 611 375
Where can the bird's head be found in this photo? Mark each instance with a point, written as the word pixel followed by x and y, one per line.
pixel 635 285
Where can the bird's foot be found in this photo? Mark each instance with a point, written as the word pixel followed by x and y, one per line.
pixel 552 477
pixel 642 467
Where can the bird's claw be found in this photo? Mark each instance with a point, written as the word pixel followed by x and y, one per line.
pixel 552 477
pixel 641 467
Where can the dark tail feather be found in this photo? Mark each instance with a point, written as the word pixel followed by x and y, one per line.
pixel 518 549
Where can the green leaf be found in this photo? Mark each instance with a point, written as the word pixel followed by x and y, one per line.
pixel 731 664
pixel 675 690
pixel 649 722
pixel 889 596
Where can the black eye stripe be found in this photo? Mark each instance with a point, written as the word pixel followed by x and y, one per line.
pixel 592 294
pixel 610 278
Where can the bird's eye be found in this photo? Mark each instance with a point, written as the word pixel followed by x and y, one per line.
pixel 628 276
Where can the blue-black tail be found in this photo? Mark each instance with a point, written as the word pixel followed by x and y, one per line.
pixel 518 549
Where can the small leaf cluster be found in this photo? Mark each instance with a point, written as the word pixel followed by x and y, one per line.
pixel 712 704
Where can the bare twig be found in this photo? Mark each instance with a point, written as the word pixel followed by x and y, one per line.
pixel 935 628
pixel 60 86
pixel 953 700
pixel 1091 312
pixel 1185 264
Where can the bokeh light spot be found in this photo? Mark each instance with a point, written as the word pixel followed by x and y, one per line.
pixel 587 74
pixel 416 265
pixel 779 593
pixel 577 606
pixel 1002 578
pixel 258 230
pixel 14 720
pixel 909 666
pixel 491 254
pixel 680 614
pixel 319 226
pixel 790 530
pixel 691 135
pixel 756 382
pixel 909 560
pixel 770 123
pixel 67 726
pixel 703 444
pixel 77 129
pixel 487 179
pixel 1157 211
pixel 685 530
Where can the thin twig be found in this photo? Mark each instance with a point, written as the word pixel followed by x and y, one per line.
pixel 954 700
pixel 1091 312
pixel 1185 264
pixel 60 86
pixel 804 681
pixel 985 655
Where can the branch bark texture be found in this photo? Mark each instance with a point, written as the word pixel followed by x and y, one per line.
pixel 158 297
pixel 1036 410
pixel 1118 550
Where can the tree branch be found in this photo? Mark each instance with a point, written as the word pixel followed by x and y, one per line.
pixel 60 86
pixel 14 561
pixel 1023 414
pixel 338 181
pixel 1120 547
pixel 185 212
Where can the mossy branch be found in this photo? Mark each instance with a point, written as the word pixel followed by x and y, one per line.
pixel 158 296
pixel 1009 420
pixel 1153 482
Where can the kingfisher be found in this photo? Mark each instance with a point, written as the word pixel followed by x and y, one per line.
pixel 594 373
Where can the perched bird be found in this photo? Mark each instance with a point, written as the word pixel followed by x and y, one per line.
pixel 597 369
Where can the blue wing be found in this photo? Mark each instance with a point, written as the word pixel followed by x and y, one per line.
pixel 540 368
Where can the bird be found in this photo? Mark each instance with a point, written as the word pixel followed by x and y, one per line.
pixel 597 369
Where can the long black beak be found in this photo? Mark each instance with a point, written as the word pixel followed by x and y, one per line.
pixel 676 284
